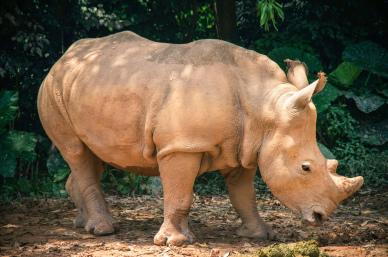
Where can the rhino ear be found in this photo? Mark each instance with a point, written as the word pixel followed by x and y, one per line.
pixel 301 98
pixel 297 73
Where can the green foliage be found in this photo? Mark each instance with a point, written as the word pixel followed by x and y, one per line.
pixel 14 145
pixel 368 56
pixel 347 141
pixel 375 133
pixel 57 167
pixel 345 74
pixel 325 151
pixel 367 102
pixel 127 183
pixel 324 99
pixel 210 183
pixel 8 107
pixel 352 123
pixel 269 11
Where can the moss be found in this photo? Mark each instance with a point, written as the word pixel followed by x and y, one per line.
pixel 306 248
pixel 299 249
pixel 276 250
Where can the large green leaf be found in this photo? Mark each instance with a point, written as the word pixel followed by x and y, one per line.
pixel 368 56
pixel 57 167
pixel 14 145
pixel 345 74
pixel 325 151
pixel 282 53
pixel 22 144
pixel 375 133
pixel 8 107
pixel 324 99
pixel 367 102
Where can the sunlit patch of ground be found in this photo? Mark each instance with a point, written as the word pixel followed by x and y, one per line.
pixel 44 228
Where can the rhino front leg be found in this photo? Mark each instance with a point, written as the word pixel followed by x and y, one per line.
pixel 178 172
pixel 240 183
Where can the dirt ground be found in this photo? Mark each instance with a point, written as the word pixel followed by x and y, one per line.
pixel 43 227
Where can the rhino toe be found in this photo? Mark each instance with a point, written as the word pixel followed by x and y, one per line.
pixel 79 221
pixel 261 231
pixel 100 227
pixel 173 238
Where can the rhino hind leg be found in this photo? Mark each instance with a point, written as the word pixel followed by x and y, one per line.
pixel 240 183
pixel 178 172
pixel 75 194
pixel 85 191
pixel 83 184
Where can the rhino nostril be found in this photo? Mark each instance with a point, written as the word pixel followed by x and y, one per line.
pixel 318 217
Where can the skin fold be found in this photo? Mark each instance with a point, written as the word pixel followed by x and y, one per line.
pixel 177 111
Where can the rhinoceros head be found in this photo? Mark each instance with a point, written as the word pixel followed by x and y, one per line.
pixel 290 161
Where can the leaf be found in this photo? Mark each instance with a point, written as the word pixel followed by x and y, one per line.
pixel 282 53
pixel 385 92
pixel 24 185
pixel 375 134
pixel 345 74
pixel 324 99
pixel 60 175
pixel 57 167
pixel 325 151
pixel 8 107
pixel 7 163
pixel 14 145
pixel 22 144
pixel 368 56
pixel 366 103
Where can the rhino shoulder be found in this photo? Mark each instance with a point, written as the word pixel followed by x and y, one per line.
pixel 245 60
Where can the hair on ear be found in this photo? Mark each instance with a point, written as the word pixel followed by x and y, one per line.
pixel 322 79
pixel 297 73
pixel 292 63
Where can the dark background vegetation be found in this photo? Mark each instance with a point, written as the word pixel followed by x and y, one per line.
pixel 346 39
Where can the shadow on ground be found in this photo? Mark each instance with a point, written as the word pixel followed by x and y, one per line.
pixel 44 228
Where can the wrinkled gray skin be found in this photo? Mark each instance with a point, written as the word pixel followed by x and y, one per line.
pixel 177 111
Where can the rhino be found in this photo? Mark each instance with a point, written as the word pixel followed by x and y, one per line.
pixel 178 111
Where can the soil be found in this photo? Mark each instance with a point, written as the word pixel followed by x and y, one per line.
pixel 43 227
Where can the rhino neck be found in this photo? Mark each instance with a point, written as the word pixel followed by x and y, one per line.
pixel 259 104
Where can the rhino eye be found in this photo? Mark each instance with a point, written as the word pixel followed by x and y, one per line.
pixel 306 166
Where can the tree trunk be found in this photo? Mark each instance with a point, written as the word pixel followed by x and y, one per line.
pixel 226 19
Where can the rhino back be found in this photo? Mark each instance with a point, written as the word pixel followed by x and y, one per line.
pixel 129 98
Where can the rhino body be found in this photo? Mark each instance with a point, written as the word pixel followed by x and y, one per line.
pixel 177 111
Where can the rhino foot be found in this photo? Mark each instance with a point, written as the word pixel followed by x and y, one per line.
pixel 100 225
pixel 80 221
pixel 260 231
pixel 171 236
